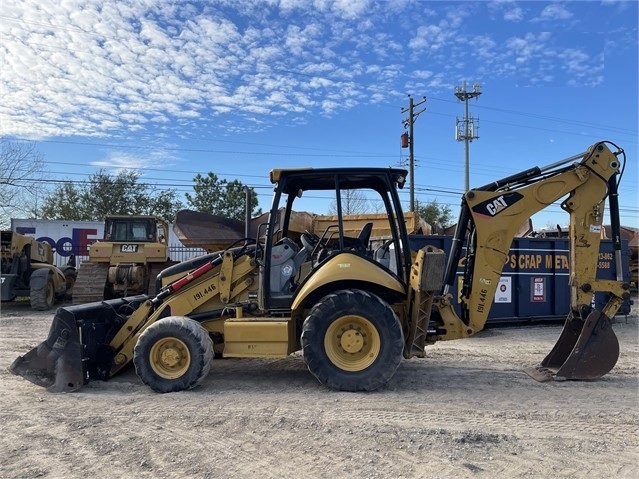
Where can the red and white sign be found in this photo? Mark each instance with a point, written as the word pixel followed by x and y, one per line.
pixel 538 290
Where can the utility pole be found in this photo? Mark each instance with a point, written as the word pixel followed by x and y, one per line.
pixel 465 129
pixel 407 141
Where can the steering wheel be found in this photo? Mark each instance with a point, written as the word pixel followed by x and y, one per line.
pixel 309 240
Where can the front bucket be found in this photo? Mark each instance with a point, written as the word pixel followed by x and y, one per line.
pixel 56 363
pixel 77 348
pixel 585 350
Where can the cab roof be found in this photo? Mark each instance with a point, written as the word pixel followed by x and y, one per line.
pixel 293 180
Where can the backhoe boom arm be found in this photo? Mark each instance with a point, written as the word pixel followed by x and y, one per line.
pixel 491 216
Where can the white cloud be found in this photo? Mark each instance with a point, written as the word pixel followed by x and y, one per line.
pixel 555 11
pixel 118 161
pixel 515 14
pixel 96 67
pixel 422 74
pixel 509 10
pixel 350 8
pixel 528 46
pixel 431 37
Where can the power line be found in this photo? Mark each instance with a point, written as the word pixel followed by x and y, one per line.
pixel 551 209
pixel 480 170
pixel 408 124
pixel 547 117
pixel 204 150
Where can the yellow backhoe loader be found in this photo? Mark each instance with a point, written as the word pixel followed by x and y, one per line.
pixel 353 311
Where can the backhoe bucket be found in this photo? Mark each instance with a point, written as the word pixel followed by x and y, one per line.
pixel 77 348
pixel 585 350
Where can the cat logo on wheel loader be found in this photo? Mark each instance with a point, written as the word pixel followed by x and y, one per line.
pixel 355 307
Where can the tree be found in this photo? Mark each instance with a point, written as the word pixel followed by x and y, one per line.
pixel 163 203
pixel 438 216
pixel 21 169
pixel 221 197
pixel 65 202
pixel 354 202
pixel 104 194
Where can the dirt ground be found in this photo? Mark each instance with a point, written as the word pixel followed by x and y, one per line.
pixel 467 410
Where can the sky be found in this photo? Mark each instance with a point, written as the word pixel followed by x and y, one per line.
pixel 239 87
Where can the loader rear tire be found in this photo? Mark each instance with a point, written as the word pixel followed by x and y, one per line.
pixel 173 354
pixel 42 299
pixel 352 341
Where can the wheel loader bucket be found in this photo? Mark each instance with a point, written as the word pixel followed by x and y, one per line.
pixel 586 349
pixel 77 348
pixel 56 363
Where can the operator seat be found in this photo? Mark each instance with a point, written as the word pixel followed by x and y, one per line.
pixel 360 244
pixel 286 260
pixel 364 236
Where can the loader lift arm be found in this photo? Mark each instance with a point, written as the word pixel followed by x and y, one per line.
pixel 488 222
pixel 233 278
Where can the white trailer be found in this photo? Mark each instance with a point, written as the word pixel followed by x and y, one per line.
pixel 74 238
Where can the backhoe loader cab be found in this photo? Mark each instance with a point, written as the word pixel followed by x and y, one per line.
pixel 287 268
pixel 355 311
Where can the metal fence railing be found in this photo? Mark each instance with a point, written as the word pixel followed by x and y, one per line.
pixel 176 253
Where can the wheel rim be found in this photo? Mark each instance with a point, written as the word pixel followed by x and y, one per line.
pixel 170 358
pixel 352 343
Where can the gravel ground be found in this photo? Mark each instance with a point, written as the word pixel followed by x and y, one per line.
pixel 467 410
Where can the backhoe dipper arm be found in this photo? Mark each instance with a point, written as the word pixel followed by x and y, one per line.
pixel 491 216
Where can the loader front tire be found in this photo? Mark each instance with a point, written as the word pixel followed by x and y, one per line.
pixel 42 299
pixel 173 354
pixel 352 341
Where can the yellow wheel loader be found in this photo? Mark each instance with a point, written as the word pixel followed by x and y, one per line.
pixel 354 311
pixel 27 269
pixel 125 262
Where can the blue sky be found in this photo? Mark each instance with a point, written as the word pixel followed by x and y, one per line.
pixel 175 88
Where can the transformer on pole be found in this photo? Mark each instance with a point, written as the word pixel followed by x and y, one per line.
pixel 467 130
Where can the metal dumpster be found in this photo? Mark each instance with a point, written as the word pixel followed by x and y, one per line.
pixel 534 282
